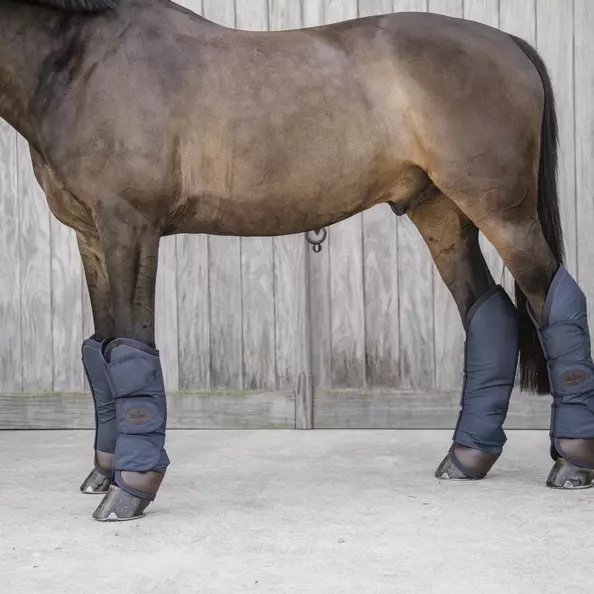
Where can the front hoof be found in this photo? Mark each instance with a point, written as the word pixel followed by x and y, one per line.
pixel 565 475
pixel 119 506
pixel 448 471
pixel 96 483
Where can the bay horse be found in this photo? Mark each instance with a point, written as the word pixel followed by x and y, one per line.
pixel 145 120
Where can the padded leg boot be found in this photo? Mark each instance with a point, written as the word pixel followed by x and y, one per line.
pixel 136 379
pixel 490 362
pixel 565 340
pixel 106 429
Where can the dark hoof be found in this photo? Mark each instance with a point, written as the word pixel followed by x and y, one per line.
pixel 96 483
pixel 119 506
pixel 447 470
pixel 565 475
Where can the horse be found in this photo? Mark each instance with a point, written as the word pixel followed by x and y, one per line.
pixel 146 120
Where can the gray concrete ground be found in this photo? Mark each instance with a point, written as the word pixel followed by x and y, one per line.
pixel 282 511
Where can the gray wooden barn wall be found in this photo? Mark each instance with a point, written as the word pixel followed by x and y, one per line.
pixel 367 320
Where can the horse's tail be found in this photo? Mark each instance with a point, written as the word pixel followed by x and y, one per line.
pixel 533 369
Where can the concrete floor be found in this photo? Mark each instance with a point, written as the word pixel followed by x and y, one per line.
pixel 288 511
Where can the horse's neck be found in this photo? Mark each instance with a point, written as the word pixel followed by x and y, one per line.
pixel 25 43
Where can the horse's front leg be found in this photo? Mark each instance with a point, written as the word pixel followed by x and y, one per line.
pixel 491 348
pixel 93 259
pixel 132 365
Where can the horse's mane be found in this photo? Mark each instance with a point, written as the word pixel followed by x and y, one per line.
pixel 83 5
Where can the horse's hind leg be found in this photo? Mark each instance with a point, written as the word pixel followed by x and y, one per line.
pixel 491 348
pixel 132 364
pixel 100 478
pixel 558 310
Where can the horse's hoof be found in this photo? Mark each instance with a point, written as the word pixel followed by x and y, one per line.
pixel 96 483
pixel 447 470
pixel 119 506
pixel 565 475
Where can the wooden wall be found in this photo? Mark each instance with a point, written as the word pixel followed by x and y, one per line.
pixel 367 321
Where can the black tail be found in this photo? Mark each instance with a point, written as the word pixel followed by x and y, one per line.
pixel 533 370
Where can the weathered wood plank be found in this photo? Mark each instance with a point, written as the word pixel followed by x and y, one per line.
pixel 166 313
pixel 226 327
pixel 334 409
pixel 380 250
pixel 584 131
pixel 290 266
pixel 36 291
pixel 11 378
pixel 449 332
pixel 400 409
pixel 197 410
pixel 487 12
pixel 67 323
pixel 319 12
pixel 220 11
pixel 257 266
pixel 554 41
pixel 453 8
pixel 372 7
pixel 517 18
pixel 346 271
pixel 285 14
pixel 415 287
pixel 193 303
pixel 304 402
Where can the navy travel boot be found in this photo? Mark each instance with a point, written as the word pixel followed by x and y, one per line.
pixel 136 379
pixel 565 340
pixel 490 362
pixel 106 430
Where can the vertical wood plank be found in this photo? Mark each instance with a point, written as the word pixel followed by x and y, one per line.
pixel 11 378
pixel 345 247
pixel 380 261
pixel 290 266
pixel 319 12
pixel 415 285
pixel 67 324
pixel 193 298
pixel 193 303
pixel 517 18
pixel 226 326
pixel 449 332
pixel 554 41
pixel 257 270
pixel 166 332
pixel 584 131
pixel 372 7
pixel 453 8
pixel 487 12
pixel 36 288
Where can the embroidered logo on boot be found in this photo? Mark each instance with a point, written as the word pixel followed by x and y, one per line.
pixel 573 378
pixel 138 415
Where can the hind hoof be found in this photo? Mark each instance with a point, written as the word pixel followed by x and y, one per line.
pixel 96 483
pixel 565 475
pixel 448 471
pixel 119 506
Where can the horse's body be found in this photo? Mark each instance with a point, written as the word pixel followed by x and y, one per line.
pixel 147 120
pixel 299 129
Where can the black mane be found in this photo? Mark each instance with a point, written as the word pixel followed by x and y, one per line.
pixel 83 5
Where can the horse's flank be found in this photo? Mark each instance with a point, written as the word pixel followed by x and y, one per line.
pixel 206 129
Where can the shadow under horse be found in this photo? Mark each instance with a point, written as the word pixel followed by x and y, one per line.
pixel 146 120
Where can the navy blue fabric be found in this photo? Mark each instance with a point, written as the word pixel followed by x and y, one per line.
pixel 136 379
pixel 490 361
pixel 106 432
pixel 565 341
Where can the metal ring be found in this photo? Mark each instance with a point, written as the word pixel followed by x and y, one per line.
pixel 323 233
